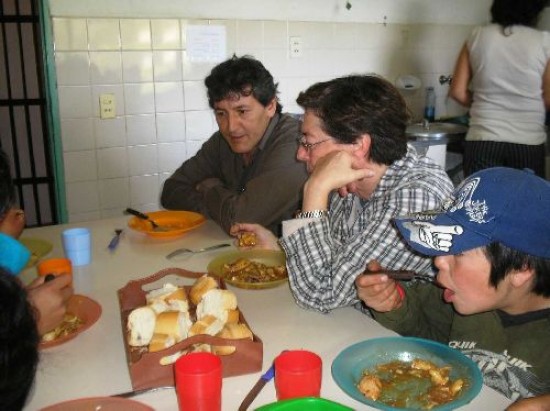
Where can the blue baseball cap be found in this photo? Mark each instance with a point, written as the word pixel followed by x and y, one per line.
pixel 498 204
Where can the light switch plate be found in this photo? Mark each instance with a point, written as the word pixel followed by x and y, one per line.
pixel 107 106
pixel 295 43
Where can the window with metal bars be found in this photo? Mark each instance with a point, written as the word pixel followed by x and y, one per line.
pixel 24 132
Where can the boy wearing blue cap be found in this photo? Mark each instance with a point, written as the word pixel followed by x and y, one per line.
pixel 491 244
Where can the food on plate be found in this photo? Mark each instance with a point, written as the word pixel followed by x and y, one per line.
pixel 418 384
pixel 69 325
pixel 247 239
pixel 250 271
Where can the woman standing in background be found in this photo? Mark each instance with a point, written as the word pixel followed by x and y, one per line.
pixel 503 75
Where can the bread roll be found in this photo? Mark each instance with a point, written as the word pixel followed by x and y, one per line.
pixel 207 325
pixel 201 286
pixel 168 298
pixel 233 316
pixel 217 303
pixel 173 323
pixel 160 342
pixel 141 324
pixel 232 331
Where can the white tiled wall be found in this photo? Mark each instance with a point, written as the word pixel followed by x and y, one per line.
pixel 162 114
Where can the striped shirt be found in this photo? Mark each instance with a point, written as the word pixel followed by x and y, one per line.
pixel 325 255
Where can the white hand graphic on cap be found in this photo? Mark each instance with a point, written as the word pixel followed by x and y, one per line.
pixel 438 237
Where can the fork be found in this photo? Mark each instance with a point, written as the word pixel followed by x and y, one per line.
pixel 401 275
pixel 200 250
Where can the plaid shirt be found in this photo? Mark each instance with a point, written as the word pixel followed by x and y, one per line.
pixel 325 255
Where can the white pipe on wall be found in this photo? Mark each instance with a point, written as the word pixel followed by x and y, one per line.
pixel 369 11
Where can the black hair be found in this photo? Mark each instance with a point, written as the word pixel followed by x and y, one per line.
pixel 351 106
pixel 19 340
pixel 504 260
pixel 7 190
pixel 241 76
pixel 520 12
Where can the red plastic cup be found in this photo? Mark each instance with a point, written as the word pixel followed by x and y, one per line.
pixel 298 374
pixel 199 382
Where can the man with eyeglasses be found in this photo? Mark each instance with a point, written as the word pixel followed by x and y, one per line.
pixel 247 170
pixel 362 175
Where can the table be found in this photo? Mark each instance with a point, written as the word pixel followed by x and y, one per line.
pixel 94 363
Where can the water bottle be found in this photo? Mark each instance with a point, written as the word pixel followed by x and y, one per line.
pixel 429 108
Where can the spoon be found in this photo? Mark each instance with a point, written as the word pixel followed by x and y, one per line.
pixel 143 216
pixel 200 250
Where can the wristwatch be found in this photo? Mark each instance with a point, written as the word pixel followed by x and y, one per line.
pixel 312 214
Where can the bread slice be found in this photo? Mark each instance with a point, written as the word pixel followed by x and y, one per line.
pixel 160 342
pixel 173 323
pixel 217 303
pixel 168 298
pixel 201 286
pixel 207 325
pixel 141 325
pixel 232 331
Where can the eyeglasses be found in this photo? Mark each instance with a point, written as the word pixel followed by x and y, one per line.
pixel 309 146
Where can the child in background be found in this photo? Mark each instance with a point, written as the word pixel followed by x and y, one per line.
pixel 49 299
pixel 492 296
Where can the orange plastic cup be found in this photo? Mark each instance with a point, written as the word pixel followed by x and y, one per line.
pixel 55 266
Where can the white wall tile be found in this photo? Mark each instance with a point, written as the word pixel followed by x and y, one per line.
pixel 105 67
pixel 141 129
pixel 110 132
pixel 80 166
pixel 195 95
pixel 70 34
pixel 166 34
pixel 77 134
pixel 143 160
pixel 139 98
pixel 275 34
pixel 112 162
pixel 170 127
pixel 193 147
pixel 171 156
pixel 135 34
pixel 74 102
pixel 169 97
pixel 103 34
pixel 167 65
pixel 114 193
pixel 250 34
pixel 137 66
pixel 144 190
pixel 82 197
pixel 72 68
pixel 199 125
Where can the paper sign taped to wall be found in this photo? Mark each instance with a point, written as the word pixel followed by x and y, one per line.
pixel 206 43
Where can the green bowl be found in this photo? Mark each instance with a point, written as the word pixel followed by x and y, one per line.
pixel 308 404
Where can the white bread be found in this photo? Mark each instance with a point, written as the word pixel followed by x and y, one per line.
pixel 201 286
pixel 170 359
pixel 207 325
pixel 233 316
pixel 160 342
pixel 168 298
pixel 173 323
pixel 217 303
pixel 234 332
pixel 141 324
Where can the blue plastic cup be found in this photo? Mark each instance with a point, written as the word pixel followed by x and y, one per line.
pixel 77 243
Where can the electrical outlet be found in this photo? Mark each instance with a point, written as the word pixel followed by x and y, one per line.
pixel 107 106
pixel 295 47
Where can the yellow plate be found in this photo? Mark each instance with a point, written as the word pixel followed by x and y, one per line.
pixel 38 248
pixel 175 222
pixel 267 257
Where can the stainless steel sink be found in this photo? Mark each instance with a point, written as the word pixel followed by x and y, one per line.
pixel 436 132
